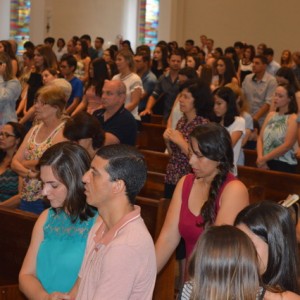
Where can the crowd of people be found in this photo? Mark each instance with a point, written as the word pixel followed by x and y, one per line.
pixel 69 120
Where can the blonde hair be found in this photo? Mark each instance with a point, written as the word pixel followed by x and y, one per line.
pixel 54 96
pixel 128 56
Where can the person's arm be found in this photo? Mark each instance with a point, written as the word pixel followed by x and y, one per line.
pixel 234 198
pixel 23 101
pixel 86 62
pixel 74 289
pixel 167 140
pixel 28 282
pixel 135 98
pixel 17 162
pixel 260 143
pixel 110 139
pixel 169 236
pixel 148 110
pixel 28 115
pixel 73 106
pixel 15 67
pixel 169 123
pixel 261 112
pixel 10 91
pixel 81 106
pixel 289 141
pixel 235 136
pixel 177 138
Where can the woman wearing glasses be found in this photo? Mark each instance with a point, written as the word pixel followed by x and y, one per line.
pixel 10 90
pixel 49 107
pixel 11 137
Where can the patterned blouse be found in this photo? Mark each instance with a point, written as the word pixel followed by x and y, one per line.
pixel 32 187
pixel 178 164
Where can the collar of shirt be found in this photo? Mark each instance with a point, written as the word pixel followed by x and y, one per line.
pixel 264 78
pixel 108 235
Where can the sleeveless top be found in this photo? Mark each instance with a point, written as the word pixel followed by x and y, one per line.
pixel 79 72
pixel 9 182
pixel 274 136
pixel 178 165
pixel 93 101
pixel 32 187
pixel 61 252
pixel 188 222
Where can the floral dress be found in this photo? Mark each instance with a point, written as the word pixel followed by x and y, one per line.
pixel 178 164
pixel 32 187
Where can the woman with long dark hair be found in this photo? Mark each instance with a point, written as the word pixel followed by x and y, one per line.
pixel 91 101
pixel 59 236
pixel 210 195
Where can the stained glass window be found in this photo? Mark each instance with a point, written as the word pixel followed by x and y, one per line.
pixel 19 22
pixel 148 22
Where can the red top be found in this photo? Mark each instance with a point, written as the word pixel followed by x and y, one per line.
pixel 188 228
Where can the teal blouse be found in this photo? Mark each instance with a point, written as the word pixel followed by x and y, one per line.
pixel 61 252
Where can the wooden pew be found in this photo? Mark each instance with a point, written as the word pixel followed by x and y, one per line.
pixel 151 137
pixel 154 186
pixel 11 292
pixel 15 234
pixel 156 119
pixel 268 185
pixel 156 161
pixel 153 212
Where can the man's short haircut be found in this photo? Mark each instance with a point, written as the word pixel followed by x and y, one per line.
pixel 269 51
pixel 70 60
pixel 177 52
pixel 49 40
pixel 191 42
pixel 239 45
pixel 125 163
pixel 86 37
pixel 100 39
pixel 262 58
pixel 145 56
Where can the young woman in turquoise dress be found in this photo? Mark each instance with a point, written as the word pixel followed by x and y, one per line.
pixel 279 133
pixel 59 237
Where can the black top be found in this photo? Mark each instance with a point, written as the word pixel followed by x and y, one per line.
pixel 122 125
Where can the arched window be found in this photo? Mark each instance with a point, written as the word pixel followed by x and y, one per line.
pixel 148 22
pixel 19 22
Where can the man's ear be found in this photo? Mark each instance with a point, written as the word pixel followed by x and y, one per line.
pixel 119 186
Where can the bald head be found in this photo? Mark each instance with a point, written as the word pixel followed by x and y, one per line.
pixel 113 94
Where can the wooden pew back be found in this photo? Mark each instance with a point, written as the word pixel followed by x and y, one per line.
pixel 151 137
pixel 154 186
pixel 156 161
pixel 15 234
pixel 269 185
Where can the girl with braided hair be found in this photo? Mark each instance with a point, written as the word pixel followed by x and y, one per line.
pixel 209 196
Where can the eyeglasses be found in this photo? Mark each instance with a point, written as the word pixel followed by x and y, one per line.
pixel 6 134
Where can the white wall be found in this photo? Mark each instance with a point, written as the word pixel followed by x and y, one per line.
pixel 95 17
pixel 270 21
pixel 274 22
pixel 4 19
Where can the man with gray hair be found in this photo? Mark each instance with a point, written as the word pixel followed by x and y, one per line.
pixel 118 123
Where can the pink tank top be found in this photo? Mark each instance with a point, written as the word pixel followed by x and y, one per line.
pixel 188 228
